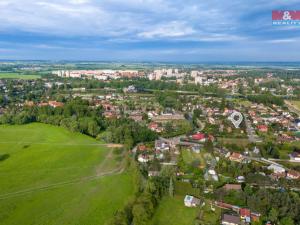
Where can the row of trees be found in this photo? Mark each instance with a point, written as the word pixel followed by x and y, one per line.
pixel 267 99
pixel 149 192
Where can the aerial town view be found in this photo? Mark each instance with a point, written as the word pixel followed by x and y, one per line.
pixel 149 112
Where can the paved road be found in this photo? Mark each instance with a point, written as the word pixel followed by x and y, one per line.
pixel 274 187
pixel 263 160
pixel 252 136
pixel 285 160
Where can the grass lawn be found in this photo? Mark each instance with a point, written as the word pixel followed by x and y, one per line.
pixel 243 102
pixel 33 157
pixel 296 104
pixel 18 76
pixel 189 156
pixel 172 211
pixel 237 141
pixel 209 216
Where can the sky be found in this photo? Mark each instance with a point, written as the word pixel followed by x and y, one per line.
pixel 147 30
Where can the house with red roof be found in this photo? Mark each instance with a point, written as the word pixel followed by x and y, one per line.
pixel 155 127
pixel 199 137
pixel 262 128
pixel 236 157
pixel 142 148
pixel 55 104
pixel 293 174
pixel 245 214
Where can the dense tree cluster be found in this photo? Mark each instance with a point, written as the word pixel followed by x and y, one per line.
pixel 127 132
pixel 78 116
pixel 266 99
pixel 277 206
pixel 75 115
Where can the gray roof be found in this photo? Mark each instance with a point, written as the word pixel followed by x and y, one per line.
pixel 231 219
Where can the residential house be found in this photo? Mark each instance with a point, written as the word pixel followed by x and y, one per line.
pixel 155 127
pixel 262 128
pixel 230 187
pixel 276 169
pixel 245 214
pixel 228 219
pixel 293 174
pixel 211 175
pixel 191 201
pixel 159 155
pixel 236 157
pixel 136 116
pixel 110 114
pixel 142 148
pixel 168 117
pixel 199 137
pixel 196 148
pixel 285 138
pixel 55 104
pixel 240 179
pixel 295 156
pixel 143 158
pixel 162 145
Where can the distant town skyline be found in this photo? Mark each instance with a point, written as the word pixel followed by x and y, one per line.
pixel 149 30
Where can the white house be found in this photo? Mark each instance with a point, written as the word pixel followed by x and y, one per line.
pixel 162 146
pixel 143 158
pixel 276 168
pixel 295 156
pixel 191 201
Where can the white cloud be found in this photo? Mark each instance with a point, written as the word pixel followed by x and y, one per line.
pixel 172 29
pixel 134 20
pixel 286 40
pixel 79 2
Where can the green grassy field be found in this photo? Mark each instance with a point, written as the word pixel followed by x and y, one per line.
pixel 189 157
pixel 296 104
pixel 18 76
pixel 172 211
pixel 237 141
pixel 49 175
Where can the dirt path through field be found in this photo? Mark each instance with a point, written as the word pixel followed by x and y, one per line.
pixel 100 172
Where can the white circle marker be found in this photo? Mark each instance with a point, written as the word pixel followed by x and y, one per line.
pixel 236 118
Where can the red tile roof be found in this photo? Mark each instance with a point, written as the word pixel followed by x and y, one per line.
pixel 198 136
pixel 245 212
